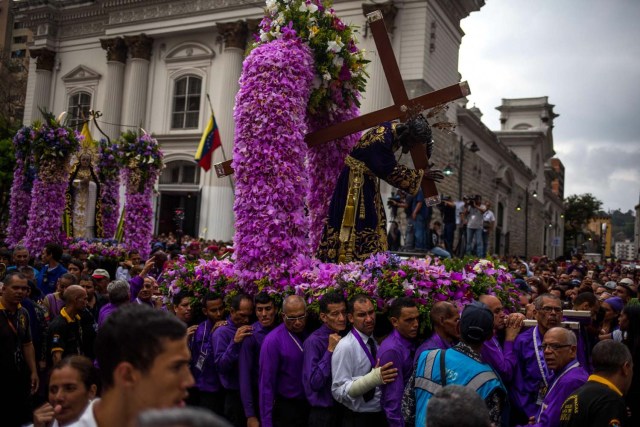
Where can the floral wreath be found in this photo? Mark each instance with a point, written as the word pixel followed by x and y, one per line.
pixel 340 75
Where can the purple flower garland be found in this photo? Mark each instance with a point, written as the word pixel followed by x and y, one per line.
pixel 269 159
pixel 20 188
pixel 324 165
pixel 109 175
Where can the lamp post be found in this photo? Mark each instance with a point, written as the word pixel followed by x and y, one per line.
pixel 526 221
pixel 473 147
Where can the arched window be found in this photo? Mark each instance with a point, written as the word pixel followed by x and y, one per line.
pixel 79 106
pixel 186 103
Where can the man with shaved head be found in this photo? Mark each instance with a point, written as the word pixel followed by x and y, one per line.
pixel 446 331
pixel 501 356
pixel 70 333
pixel 560 347
pixel 282 397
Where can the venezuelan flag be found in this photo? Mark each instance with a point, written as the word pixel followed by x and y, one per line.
pixel 208 143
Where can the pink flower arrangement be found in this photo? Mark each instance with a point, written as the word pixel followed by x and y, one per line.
pixel 105 248
pixel 269 159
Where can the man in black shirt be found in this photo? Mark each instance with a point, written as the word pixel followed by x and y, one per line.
pixel 600 401
pixel 17 356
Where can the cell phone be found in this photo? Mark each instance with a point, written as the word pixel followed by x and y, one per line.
pixel 590 274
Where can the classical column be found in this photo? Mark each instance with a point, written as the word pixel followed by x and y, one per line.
pixel 45 60
pixel 112 108
pixel 218 194
pixel 135 104
pixel 377 94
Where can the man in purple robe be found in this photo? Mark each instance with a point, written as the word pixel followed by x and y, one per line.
pixel 282 399
pixel 501 357
pixel 316 371
pixel 398 348
pixel 445 320
pixel 559 346
pixel 248 362
pixel 227 341
pixel 532 376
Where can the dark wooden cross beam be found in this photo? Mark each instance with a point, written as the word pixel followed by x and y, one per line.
pixel 402 108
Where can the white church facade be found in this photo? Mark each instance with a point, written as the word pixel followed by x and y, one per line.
pixel 152 63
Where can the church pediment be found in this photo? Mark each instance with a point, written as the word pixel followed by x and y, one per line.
pixel 189 52
pixel 81 74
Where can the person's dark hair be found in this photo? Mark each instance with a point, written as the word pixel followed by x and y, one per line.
pixel 13 275
pixel 134 333
pixel 330 298
pixel 133 252
pixel 177 298
pixel 608 356
pixel 395 309
pixel 118 291
pixel 236 300
pixel 77 263
pixel 263 298
pixel 632 339
pixel 583 297
pixel 84 366
pixel 85 278
pixel 210 296
pixel 359 298
pixel 55 250
pixel 441 309
pixel 185 417
pixel 456 405
pixel 70 277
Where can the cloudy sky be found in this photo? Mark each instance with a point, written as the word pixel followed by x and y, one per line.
pixel 585 56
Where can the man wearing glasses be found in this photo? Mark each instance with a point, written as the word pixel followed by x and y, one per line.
pixel 559 346
pixel 531 378
pixel 282 398
pixel 318 349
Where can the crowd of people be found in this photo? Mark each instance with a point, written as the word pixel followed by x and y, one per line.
pixel 81 345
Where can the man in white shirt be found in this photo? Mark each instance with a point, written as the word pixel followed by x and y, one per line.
pixel 355 371
pixel 144 361
pixel 488 225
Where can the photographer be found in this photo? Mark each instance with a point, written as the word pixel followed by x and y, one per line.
pixel 474 215
pixel 123 271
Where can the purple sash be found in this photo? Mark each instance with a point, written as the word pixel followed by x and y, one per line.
pixel 365 347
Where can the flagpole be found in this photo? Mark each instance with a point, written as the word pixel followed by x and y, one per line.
pixel 224 156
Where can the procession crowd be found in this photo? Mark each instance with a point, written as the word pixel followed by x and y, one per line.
pixel 82 345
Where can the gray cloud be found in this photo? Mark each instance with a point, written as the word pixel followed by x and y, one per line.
pixel 584 55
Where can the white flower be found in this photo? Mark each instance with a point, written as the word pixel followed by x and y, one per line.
pixel 338 61
pixel 272 5
pixel 280 18
pixel 264 37
pixel 326 76
pixel 334 46
pixel 308 7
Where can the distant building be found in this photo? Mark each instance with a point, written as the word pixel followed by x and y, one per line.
pixel 625 251
pixel 601 239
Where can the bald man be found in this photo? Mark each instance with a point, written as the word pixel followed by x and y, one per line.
pixel 282 397
pixel 560 347
pixel 501 357
pixel 445 321
pixel 71 333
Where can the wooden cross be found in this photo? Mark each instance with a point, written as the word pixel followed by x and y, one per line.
pixel 401 109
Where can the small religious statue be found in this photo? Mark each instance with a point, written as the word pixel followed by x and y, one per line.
pixel 82 212
pixel 356 226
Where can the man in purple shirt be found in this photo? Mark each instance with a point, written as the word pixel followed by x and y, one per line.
pixel 207 392
pixel 227 341
pixel 398 348
pixel 531 377
pixel 445 321
pixel 282 400
pixel 316 371
pixel 250 354
pixel 501 357
pixel 559 346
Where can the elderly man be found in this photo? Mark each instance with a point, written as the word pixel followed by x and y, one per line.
pixel 600 401
pixel 318 349
pixel 119 293
pixel 356 371
pixel 463 366
pixel 455 405
pixel 559 346
pixel 282 399
pixel 501 357
pixel 446 331
pixel 531 376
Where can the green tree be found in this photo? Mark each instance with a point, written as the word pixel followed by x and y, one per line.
pixel 578 211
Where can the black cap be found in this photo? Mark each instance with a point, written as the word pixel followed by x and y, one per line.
pixel 476 323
